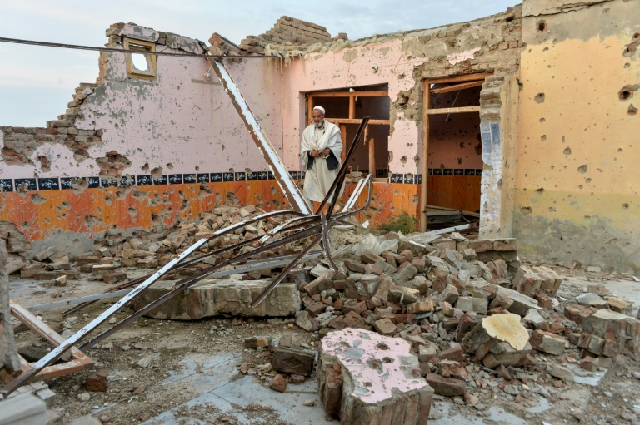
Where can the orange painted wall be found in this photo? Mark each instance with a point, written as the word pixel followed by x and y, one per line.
pixel 40 214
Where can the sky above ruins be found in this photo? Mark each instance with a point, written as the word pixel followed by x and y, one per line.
pixel 37 82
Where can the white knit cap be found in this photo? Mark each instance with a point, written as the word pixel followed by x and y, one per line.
pixel 319 108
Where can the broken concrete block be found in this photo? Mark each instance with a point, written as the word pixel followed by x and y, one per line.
pixel 318 285
pixel 61 280
pixel 385 326
pixel 465 304
pixel 293 360
pixel 591 343
pixel 446 387
pixel 547 342
pixel 45 254
pixel 421 307
pixel 450 294
pixel 591 300
pixel 615 327
pixel 427 352
pixel 23 409
pixel 303 320
pixel 577 312
pixel 498 340
pixel 520 303
pixel 402 296
pixel 405 273
pixel 619 306
pixel 114 277
pixel 212 297
pixel 561 372
pixel 380 379
pixel 534 318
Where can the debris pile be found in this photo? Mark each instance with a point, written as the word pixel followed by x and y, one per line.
pixel 117 250
pixel 465 319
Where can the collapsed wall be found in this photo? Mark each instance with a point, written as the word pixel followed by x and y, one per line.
pixel 142 148
pixel 152 141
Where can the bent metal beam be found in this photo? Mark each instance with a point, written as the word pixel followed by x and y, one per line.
pixel 286 183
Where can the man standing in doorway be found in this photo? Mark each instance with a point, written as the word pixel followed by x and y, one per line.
pixel 321 148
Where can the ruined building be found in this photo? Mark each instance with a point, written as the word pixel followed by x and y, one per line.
pixel 528 117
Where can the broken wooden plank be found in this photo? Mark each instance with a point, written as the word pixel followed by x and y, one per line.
pixel 456 110
pixel 457 87
pixel 460 78
pixel 337 121
pixel 424 153
pixel 282 176
pixel 65 345
pixel 371 93
pixel 79 360
pixel 448 229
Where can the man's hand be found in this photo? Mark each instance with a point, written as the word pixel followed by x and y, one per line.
pixel 326 152
pixel 315 153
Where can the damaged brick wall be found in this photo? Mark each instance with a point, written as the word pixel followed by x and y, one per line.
pixel 402 61
pixel 136 152
pixel 287 33
pixel 578 183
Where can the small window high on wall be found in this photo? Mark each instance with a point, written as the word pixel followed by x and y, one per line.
pixel 346 107
pixel 141 64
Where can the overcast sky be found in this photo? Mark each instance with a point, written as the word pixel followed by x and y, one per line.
pixel 37 82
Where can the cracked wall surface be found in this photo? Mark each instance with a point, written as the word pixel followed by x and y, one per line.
pixel 577 192
pixel 134 153
pixel 558 124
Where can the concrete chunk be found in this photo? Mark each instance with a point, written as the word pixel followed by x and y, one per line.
pixel 615 327
pixel 213 297
pixel 367 378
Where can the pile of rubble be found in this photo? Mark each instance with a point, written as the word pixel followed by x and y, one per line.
pixel 117 250
pixel 465 321
pixel 458 313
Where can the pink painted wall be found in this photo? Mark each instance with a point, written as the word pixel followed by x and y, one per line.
pixel 181 122
pixel 369 64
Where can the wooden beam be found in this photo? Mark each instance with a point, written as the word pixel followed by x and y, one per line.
pixel 340 121
pixel 309 108
pixel 351 94
pixel 79 360
pixel 460 78
pixel 352 109
pixel 288 187
pixel 372 154
pixel 457 87
pixel 456 110
pixel 424 163
pixel 343 132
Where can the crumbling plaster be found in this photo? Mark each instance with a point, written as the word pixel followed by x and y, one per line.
pixel 577 181
pixel 182 109
pixel 373 64
pixel 402 60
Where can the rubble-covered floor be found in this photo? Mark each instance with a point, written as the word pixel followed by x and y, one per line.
pixel 160 371
pixel 202 371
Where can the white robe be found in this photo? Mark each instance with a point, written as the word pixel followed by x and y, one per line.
pixel 318 179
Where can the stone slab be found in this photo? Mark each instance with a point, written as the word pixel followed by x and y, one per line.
pixel 25 409
pixel 213 297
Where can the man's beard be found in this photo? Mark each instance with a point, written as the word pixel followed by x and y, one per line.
pixel 319 124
